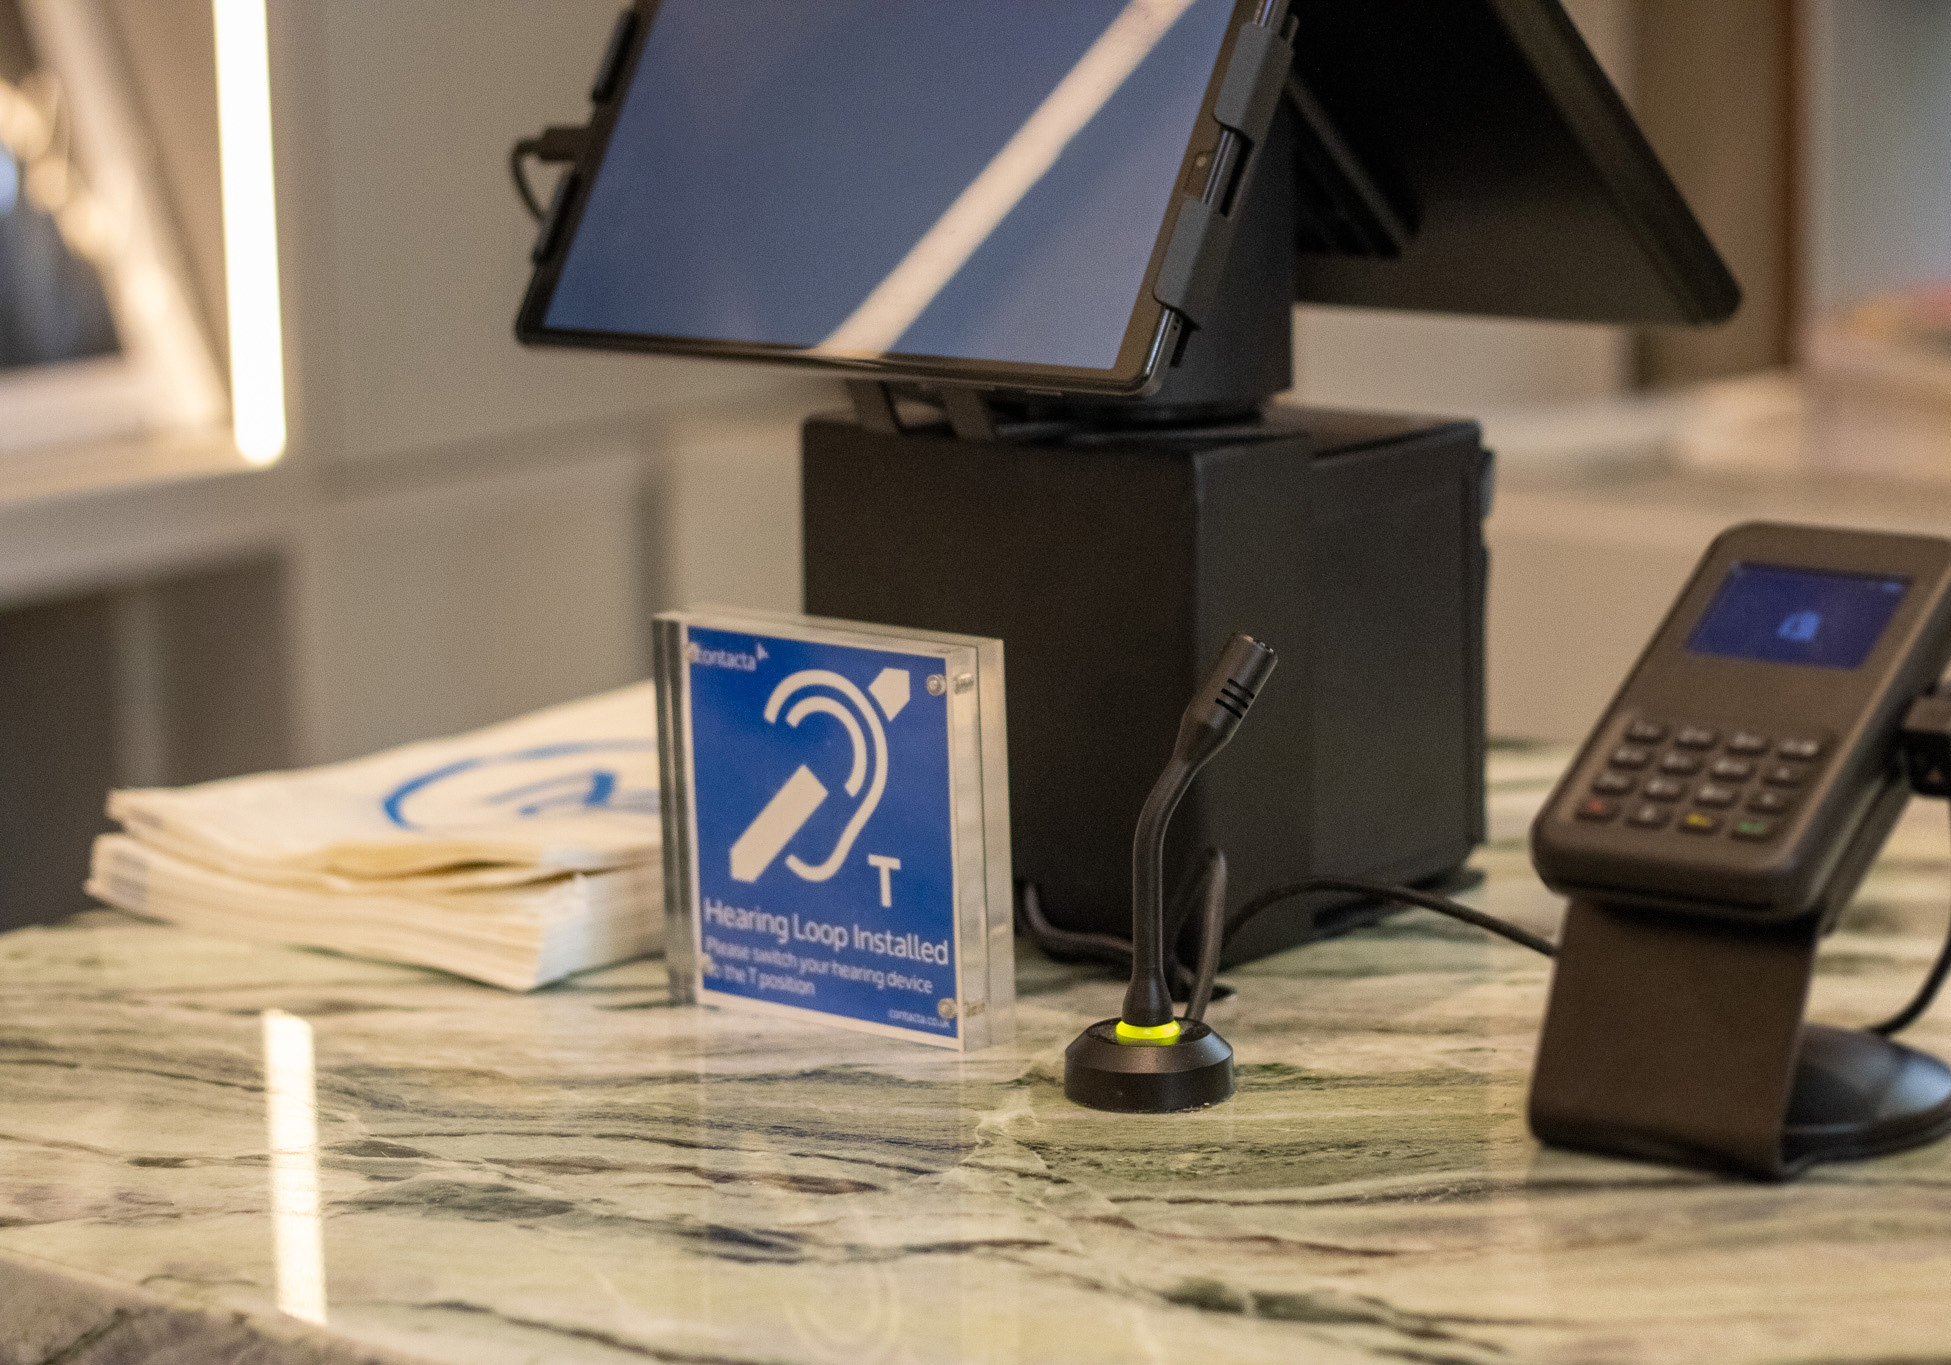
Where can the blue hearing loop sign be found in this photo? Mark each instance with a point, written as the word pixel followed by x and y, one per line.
pixel 832 824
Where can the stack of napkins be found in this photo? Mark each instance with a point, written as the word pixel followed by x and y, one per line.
pixel 513 855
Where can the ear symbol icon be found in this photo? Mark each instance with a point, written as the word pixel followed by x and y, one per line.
pixel 794 804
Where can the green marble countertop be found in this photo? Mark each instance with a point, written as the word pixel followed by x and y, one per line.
pixel 588 1174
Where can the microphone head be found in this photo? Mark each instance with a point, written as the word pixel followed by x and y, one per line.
pixel 1235 681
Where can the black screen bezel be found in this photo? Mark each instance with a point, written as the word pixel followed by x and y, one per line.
pixel 1141 353
pixel 1505 145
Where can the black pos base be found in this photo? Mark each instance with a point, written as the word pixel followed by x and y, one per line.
pixel 1114 565
pixel 1682 1040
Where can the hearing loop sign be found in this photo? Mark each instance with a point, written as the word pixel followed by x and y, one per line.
pixel 839 831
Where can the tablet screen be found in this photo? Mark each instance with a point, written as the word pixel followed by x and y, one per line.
pixel 984 180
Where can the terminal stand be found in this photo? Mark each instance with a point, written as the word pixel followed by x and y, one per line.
pixel 1682 1040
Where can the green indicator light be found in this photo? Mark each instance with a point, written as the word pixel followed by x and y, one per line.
pixel 1159 1035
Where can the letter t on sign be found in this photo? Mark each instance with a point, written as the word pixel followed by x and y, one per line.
pixel 888 866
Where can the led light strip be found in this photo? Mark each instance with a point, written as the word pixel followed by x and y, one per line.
pixel 257 380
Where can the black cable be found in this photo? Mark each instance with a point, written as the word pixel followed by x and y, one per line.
pixel 517 157
pixel 1910 1013
pixel 1116 951
pixel 1208 885
pixel 1189 892
pixel 1212 933
pixel 1926 993
pixel 1070 945
pixel 552 147
pixel 1404 895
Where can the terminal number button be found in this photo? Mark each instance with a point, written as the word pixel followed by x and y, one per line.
pixel 1648 816
pixel 1677 751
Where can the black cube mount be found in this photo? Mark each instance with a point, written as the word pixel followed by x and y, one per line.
pixel 1115 564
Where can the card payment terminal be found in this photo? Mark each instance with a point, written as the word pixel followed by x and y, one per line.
pixel 1748 768
pixel 1717 820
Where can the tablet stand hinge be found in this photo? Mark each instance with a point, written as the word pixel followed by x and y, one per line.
pixel 969 414
pixel 874 406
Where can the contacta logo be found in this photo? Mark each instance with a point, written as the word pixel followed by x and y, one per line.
pixel 725 658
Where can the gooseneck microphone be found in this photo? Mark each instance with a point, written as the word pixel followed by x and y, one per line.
pixel 1147 1060
pixel 1211 719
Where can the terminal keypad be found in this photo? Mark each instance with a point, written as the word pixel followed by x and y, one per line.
pixel 1751 779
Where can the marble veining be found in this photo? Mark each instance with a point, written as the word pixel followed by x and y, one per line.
pixel 591 1174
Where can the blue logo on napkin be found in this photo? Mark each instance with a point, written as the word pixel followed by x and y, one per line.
pixel 551 779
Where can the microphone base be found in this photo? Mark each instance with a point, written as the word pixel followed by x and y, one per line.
pixel 1128 1078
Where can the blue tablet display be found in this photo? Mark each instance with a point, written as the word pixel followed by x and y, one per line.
pixel 1797 616
pixel 980 180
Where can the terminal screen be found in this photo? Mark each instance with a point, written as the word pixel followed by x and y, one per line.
pixel 1798 616
pixel 983 180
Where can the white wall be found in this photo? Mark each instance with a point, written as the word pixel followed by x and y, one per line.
pixel 429 610
pixel 725 514
pixel 488 530
pixel 427 243
pixel 1419 362
pixel 1877 168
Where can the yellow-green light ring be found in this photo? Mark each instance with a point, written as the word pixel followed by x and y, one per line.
pixel 1157 1035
